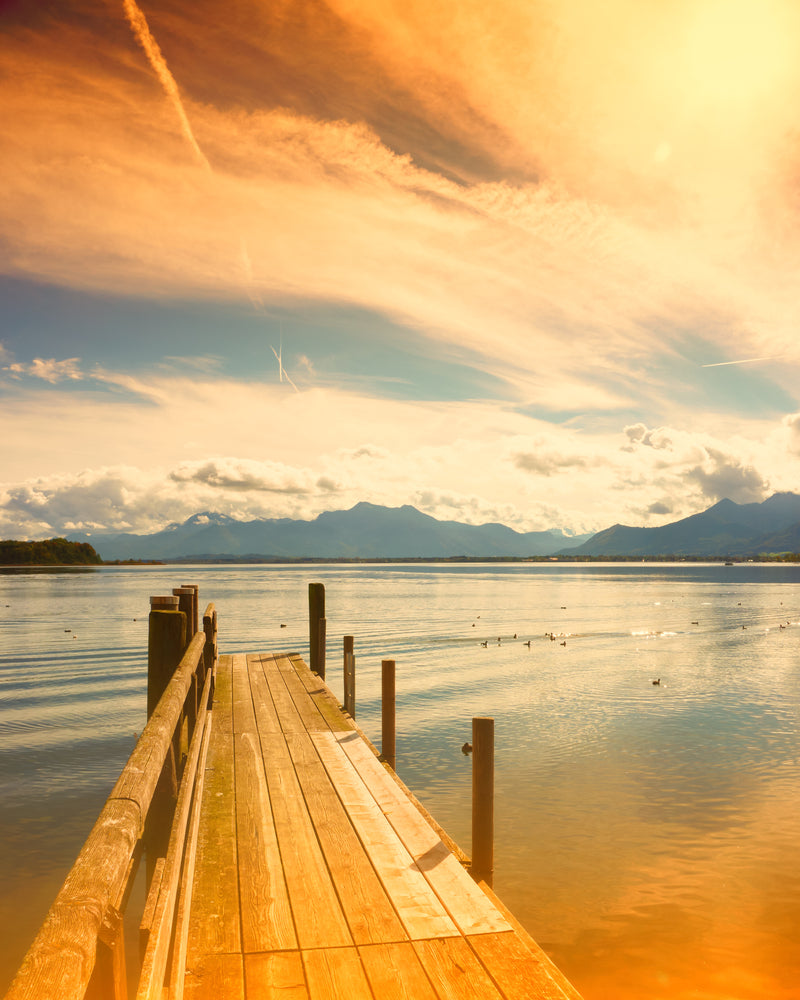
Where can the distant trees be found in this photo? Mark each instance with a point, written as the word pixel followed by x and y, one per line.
pixel 50 552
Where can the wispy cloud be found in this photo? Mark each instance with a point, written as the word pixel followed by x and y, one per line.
pixel 145 38
pixel 47 369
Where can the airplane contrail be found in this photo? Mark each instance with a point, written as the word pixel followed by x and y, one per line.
pixel 141 30
pixel 281 370
pixel 744 361
pixel 144 36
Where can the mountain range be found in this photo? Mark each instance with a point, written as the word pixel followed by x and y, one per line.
pixel 364 531
pixel 370 531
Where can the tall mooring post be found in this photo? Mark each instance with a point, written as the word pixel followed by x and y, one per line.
pixel 349 675
pixel 316 611
pixel 483 800
pixel 388 724
pixel 166 645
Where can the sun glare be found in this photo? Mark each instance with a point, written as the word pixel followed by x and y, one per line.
pixel 737 50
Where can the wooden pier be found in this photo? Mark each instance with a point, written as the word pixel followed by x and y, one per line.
pixel 293 862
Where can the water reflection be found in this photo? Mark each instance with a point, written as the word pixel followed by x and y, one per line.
pixel 645 835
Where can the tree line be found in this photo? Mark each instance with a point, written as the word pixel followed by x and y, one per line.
pixel 48 552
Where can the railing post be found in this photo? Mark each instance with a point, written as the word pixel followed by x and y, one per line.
pixel 195 619
pixel 165 646
pixel 210 648
pixel 316 610
pixel 483 799
pixel 388 713
pixel 323 633
pixel 187 597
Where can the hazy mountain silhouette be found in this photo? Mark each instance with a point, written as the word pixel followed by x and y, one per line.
pixel 725 529
pixel 364 531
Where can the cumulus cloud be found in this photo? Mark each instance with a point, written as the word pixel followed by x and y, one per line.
pixel 639 434
pixel 725 476
pixel 243 475
pixel 543 464
pixel 791 424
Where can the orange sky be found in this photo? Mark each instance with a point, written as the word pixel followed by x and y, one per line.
pixel 583 203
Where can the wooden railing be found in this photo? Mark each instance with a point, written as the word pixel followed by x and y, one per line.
pixel 80 949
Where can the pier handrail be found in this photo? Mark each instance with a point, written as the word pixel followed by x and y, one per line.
pixel 79 950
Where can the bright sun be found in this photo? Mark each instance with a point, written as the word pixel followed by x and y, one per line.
pixel 737 50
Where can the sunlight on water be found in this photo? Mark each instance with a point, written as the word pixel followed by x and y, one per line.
pixel 645 833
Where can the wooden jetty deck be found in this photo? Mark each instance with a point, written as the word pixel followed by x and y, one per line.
pixel 297 865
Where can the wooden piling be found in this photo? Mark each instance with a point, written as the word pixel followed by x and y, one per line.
pixel 388 730
pixel 195 620
pixel 483 800
pixel 316 610
pixel 187 597
pixel 165 646
pixel 349 670
pixel 323 633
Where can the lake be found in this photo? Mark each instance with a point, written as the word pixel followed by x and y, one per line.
pixel 646 834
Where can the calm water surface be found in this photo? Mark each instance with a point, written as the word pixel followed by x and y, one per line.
pixel 646 835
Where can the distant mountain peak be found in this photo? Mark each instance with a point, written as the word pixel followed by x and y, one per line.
pixel 208 517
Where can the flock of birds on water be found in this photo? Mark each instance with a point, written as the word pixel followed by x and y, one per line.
pixel 553 637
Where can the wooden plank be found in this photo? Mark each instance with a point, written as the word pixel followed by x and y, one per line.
pixel 290 718
pixel 214 925
pixel 313 721
pixel 267 720
pixel 244 720
pixel 275 976
pixel 418 906
pixel 395 973
pixel 215 977
pixel 322 696
pixel 468 905
pixel 223 695
pixel 366 906
pixel 334 973
pixel 318 916
pixel 184 908
pixel 266 914
pixel 455 971
pixel 520 972
pixel 158 945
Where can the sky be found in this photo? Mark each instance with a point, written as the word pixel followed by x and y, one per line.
pixel 533 261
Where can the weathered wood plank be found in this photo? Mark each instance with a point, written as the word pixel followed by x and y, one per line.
pixel 520 972
pixel 455 970
pixel 244 720
pixel 366 906
pixel 290 718
pixel 313 720
pixel 275 975
pixel 395 973
pixel 418 906
pixel 215 977
pixel 334 973
pixel 469 906
pixel 267 720
pixel 318 916
pixel 184 908
pixel 223 695
pixel 267 923
pixel 158 945
pixel 322 696
pixel 214 925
